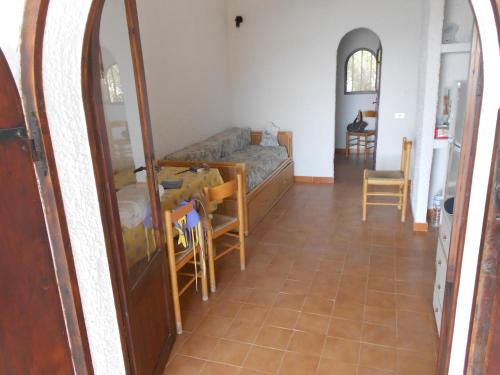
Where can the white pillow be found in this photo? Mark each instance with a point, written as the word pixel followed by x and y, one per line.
pixel 270 136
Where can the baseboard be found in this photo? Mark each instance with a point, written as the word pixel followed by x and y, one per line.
pixel 340 151
pixel 420 227
pixel 314 180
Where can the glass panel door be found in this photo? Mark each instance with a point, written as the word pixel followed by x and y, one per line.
pixel 125 138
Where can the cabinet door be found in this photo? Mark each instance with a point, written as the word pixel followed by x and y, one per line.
pixel 126 172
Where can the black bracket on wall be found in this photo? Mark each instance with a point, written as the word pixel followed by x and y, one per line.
pixel 238 20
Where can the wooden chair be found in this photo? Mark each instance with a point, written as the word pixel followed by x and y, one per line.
pixel 365 138
pixel 226 225
pixel 179 257
pixel 398 179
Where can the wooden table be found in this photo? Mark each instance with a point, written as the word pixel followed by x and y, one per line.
pixel 138 237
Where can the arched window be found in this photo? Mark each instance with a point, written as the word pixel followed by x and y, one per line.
pixel 361 72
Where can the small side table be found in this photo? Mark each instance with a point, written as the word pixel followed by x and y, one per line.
pixel 364 139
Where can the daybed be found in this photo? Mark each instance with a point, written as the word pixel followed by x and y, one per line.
pixel 267 171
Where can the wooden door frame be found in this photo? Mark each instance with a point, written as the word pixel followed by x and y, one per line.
pixel 50 191
pixel 464 187
pixel 96 124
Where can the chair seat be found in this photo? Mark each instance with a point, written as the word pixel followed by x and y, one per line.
pixel 221 221
pixel 181 253
pixel 362 133
pixel 396 176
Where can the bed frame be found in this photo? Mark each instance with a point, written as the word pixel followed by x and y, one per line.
pixel 263 197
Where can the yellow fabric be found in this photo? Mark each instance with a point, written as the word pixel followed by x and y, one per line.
pixel 138 244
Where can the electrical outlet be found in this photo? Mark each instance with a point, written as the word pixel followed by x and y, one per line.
pixel 399 116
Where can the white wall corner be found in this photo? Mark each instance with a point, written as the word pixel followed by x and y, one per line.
pixel 62 57
pixel 427 100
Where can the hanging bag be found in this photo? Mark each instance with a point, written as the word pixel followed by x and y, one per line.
pixel 358 125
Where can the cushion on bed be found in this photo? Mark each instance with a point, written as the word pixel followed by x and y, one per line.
pixel 205 150
pixel 215 147
pixel 260 162
pixel 232 140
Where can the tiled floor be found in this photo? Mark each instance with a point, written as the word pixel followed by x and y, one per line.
pixel 323 293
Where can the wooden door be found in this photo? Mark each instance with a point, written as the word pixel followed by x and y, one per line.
pixel 484 342
pixel 119 130
pixel 33 336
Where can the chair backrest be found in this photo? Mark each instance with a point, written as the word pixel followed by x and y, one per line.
pixel 226 190
pixel 405 157
pixel 173 216
pixel 223 191
pixel 369 114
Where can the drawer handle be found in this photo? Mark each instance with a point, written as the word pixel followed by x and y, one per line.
pixel 445 237
pixel 439 262
pixel 439 286
pixel 436 310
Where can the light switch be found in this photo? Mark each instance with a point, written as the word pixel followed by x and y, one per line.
pixel 399 116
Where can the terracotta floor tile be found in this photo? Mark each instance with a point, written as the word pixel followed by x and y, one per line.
pixel 381 284
pixel 199 346
pixel 376 315
pixel 376 371
pixel 317 272
pixel 346 329
pixel 415 363
pixel 381 335
pixel 380 357
pixel 191 320
pixel 214 326
pixel 245 371
pixel 346 351
pixel 324 288
pixel 182 365
pixel 289 301
pixel 381 299
pixel 252 314
pixel 351 311
pixel 262 297
pixel 227 309
pixel 318 305
pixel 212 368
pixel 242 331
pixel 296 287
pixel 299 364
pixel 332 367
pixel 413 303
pixel 282 318
pixel 179 341
pixel 313 323
pixel 274 337
pixel 263 359
pixel 306 343
pixel 231 352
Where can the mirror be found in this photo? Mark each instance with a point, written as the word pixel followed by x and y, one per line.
pixel 121 111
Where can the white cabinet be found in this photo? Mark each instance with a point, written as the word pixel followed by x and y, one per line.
pixel 441 267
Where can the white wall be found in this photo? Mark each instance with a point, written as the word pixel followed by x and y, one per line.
pixel 283 68
pixel 185 56
pixel 347 106
pixel 62 81
pixel 432 17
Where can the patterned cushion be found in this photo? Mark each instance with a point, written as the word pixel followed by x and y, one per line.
pixel 216 147
pixel 259 161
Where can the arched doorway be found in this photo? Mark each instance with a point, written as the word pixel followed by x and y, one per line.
pixel 359 61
